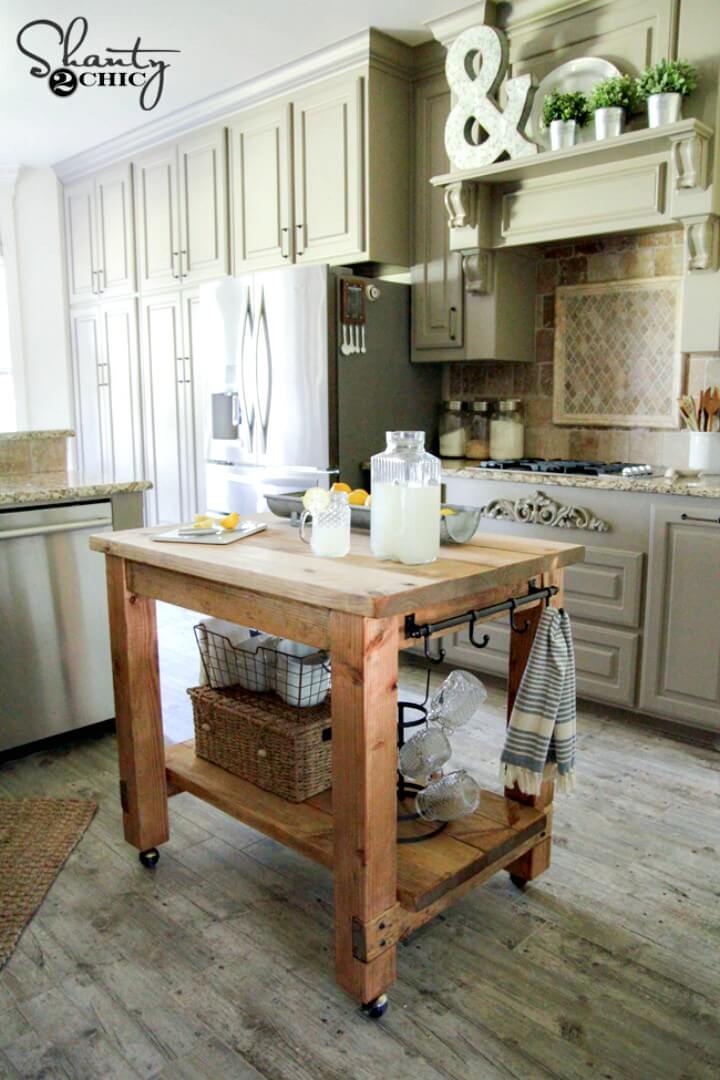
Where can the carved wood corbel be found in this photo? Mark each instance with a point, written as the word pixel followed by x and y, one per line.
pixel 477 268
pixel 690 161
pixel 461 204
pixel 702 242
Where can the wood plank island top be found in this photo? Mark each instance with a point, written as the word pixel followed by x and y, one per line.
pixel 275 563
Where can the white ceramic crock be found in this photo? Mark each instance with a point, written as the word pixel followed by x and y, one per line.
pixel 705 452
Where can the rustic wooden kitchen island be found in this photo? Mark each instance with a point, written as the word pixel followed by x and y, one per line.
pixel 356 607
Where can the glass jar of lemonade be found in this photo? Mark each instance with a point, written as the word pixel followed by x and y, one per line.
pixel 405 507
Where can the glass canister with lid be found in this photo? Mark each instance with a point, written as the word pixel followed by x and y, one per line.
pixel 405 507
pixel 507 430
pixel 477 446
pixel 453 429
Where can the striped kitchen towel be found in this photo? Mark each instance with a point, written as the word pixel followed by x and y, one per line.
pixel 542 725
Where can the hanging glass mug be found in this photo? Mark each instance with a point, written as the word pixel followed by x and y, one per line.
pixel 330 535
pixel 454 796
pixel 425 754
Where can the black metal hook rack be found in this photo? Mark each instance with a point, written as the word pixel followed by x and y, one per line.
pixel 426 630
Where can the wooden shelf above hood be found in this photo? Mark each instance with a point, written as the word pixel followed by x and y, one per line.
pixel 640 180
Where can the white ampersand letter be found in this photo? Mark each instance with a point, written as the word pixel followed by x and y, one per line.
pixel 475 66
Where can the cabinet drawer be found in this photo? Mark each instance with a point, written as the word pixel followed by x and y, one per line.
pixel 605 658
pixel 606 587
pixel 605 663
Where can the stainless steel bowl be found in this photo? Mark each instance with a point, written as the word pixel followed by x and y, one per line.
pixel 460 527
pixel 457 528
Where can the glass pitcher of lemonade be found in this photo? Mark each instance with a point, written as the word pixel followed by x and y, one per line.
pixel 405 508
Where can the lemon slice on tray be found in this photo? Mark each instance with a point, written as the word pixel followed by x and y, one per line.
pixel 316 499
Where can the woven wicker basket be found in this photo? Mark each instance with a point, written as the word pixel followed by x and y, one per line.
pixel 263 740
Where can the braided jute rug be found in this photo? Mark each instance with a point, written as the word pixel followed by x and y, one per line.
pixel 36 837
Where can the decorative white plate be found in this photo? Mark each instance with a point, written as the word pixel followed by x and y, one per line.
pixel 581 74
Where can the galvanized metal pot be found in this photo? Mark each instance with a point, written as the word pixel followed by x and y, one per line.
pixel 609 122
pixel 663 109
pixel 562 134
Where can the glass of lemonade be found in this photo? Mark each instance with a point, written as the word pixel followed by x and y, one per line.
pixel 405 508
pixel 330 535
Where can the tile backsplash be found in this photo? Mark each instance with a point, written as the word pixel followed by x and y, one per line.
pixel 612 258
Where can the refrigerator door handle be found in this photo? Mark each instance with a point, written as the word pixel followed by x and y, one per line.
pixel 248 333
pixel 263 336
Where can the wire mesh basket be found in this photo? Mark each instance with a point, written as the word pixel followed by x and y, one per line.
pixel 298 674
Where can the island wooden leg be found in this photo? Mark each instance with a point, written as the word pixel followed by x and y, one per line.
pixel 364 703
pixel 537 860
pixel 136 679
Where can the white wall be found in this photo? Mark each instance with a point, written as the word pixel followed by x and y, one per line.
pixel 40 248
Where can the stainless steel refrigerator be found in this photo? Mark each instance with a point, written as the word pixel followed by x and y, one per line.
pixel 306 369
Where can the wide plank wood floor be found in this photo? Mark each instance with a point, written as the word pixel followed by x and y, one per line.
pixel 219 963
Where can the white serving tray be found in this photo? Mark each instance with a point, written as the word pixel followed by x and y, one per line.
pixel 227 536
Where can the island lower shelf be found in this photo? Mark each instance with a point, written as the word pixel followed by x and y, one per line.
pixel 429 875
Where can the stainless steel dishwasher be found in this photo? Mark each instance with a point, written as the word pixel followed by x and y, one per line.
pixel 55 668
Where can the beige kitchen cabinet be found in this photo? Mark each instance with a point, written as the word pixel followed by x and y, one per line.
pixel 203 206
pixel 171 417
pixel 681 650
pixel 259 151
pixel 321 175
pixel 476 306
pixel 107 390
pixel 181 211
pixel 328 171
pixel 437 276
pixel 99 236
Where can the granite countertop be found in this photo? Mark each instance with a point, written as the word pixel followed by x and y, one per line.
pixel 650 485
pixel 50 487
pixel 26 436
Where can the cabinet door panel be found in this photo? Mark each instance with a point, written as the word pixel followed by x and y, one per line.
pixel 329 171
pixel 119 322
pixel 116 253
pixel 259 146
pixel 88 372
pixel 681 655
pixel 157 217
pixel 203 206
pixel 80 240
pixel 437 272
pixel 163 398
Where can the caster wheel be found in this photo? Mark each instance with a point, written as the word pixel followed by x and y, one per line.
pixel 149 858
pixel 518 882
pixel 377 1008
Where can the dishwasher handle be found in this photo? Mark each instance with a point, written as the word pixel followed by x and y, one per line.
pixel 46 530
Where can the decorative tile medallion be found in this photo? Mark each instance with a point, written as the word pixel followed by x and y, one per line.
pixel 617 361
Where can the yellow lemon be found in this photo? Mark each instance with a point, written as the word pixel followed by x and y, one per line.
pixel 368 501
pixel 231 521
pixel 341 487
pixel 203 522
pixel 316 499
pixel 358 497
pixel 447 511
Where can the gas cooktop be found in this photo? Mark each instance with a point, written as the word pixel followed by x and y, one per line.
pixel 568 467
